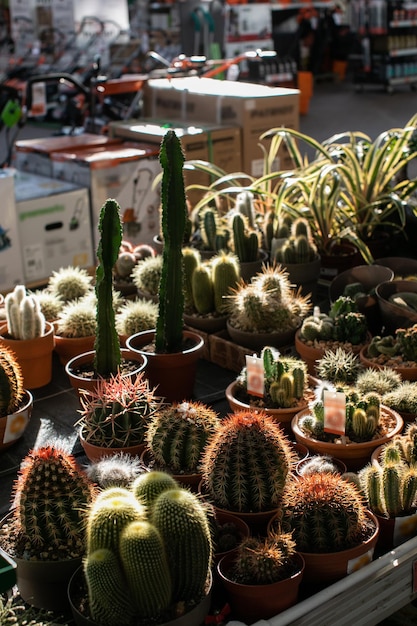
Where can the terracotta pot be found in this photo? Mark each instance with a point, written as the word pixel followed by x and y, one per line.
pixel 242 529
pixel 94 452
pixel 393 315
pixel 191 480
pixel 77 590
pixel 86 359
pixel 251 603
pixel 206 324
pixel 406 373
pixel 257 341
pixel 14 425
pixel 172 374
pixel 311 353
pixel 395 531
pixel 354 455
pixel 68 347
pixel 33 355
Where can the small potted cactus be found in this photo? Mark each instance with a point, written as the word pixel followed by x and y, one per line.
pixel 343 326
pixel 176 436
pixel 148 556
pixel 397 351
pixel 286 387
pixel 16 403
pixel 27 333
pixel 262 577
pixel 75 328
pixel 146 276
pixel 115 415
pixel 172 352
pixel 69 283
pixel 50 487
pixel 330 525
pixel 266 311
pixel 128 257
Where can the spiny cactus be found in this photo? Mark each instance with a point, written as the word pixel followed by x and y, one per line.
pixel 245 240
pixel 134 316
pixel 51 305
pixel 11 382
pixel 117 470
pixel 390 488
pixel 339 366
pixel 115 414
pixel 149 485
pixel 263 561
pixel 299 247
pixel 212 282
pixel 77 318
pixel 324 513
pixel 407 342
pixel 246 463
pixel 214 231
pixel 52 494
pixel 318 463
pixel 177 435
pixel 343 323
pixel 69 283
pixel 402 398
pixel 147 273
pixel 24 317
pixel 382 381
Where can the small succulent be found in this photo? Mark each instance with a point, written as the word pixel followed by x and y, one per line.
pixel 146 275
pixel 339 366
pixel 382 380
pixel 70 283
pixel 134 316
pixel 402 398
pixel 51 304
pixel 115 415
pixel 77 318
pixel 344 324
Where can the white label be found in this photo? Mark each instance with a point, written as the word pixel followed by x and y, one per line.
pixel 255 375
pixel 334 412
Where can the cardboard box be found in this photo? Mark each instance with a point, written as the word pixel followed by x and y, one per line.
pixel 125 172
pixel 254 108
pixel 11 266
pixel 218 144
pixel 54 225
pixel 34 155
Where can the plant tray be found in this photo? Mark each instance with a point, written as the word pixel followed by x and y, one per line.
pixel 225 353
pixel 7 572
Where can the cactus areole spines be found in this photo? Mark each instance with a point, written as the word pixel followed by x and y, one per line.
pixel 107 345
pixel 169 327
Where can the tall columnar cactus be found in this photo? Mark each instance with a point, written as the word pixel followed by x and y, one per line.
pixel 324 513
pixel 246 463
pixel 169 327
pixel 107 345
pixel 225 270
pixel 11 382
pixel 51 495
pixel 245 206
pixel 177 435
pixel 24 317
pixel 245 241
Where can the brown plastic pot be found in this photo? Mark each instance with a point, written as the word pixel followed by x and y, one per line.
pixel 393 315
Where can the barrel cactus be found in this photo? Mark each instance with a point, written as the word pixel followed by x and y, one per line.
pixel 11 383
pixel 246 462
pixel 70 283
pixel 264 560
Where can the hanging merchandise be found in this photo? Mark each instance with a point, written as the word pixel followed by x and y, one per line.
pixel 202 27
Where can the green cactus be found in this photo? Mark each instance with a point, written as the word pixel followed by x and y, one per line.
pixel 107 352
pixel 339 366
pixel 51 495
pixel 263 561
pixel 146 274
pixel 177 435
pixel 169 326
pixel 147 487
pixel 245 242
pixel 383 381
pixel 77 318
pixel 245 206
pixel 11 382
pixel 191 260
pixel 135 316
pixel 69 283
pixel 225 271
pixel 324 513
pixel 390 488
pixel 181 519
pixel 202 289
pixel 246 463
pixel 406 339
pixel 24 317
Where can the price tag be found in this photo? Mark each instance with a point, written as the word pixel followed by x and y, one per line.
pixel 255 375
pixel 334 412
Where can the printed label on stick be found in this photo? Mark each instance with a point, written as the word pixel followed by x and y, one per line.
pixel 334 412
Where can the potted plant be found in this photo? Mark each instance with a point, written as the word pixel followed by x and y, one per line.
pixel 266 311
pixel 172 360
pixel 343 326
pixel 176 436
pixel 114 416
pixel 50 486
pixel 75 329
pixel 398 352
pixel 29 336
pixel 134 316
pixel 16 402
pixel 364 425
pixel 108 357
pixel 146 276
pixel 128 257
pixel 141 560
pixel 262 577
pixel 403 399
pixel 339 366
pixel 331 527
pixel 69 283
pixel 251 489
pixel 285 389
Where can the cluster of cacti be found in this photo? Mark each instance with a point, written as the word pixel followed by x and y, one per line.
pixel 213 230
pixel 148 557
pixel 356 291
pixel 405 445
pixel 51 495
pixel 246 462
pixel 324 513
pixel 24 317
pixel 69 283
pixel 174 219
pixel 382 345
pixel 406 339
pixel 403 344
pixel 382 380
pixel 77 318
pixel 134 316
pixel 344 323
pixel 264 560
pixel 245 240
pixel 362 417
pixel 390 487
pixel 402 398
pixel 107 352
pixel 146 274
pixel 11 382
pixel 339 366
pixel 285 379
pixel 128 257
pixel 299 246
pixel 176 435
pixel 269 303
pixel 209 283
pixel 116 413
